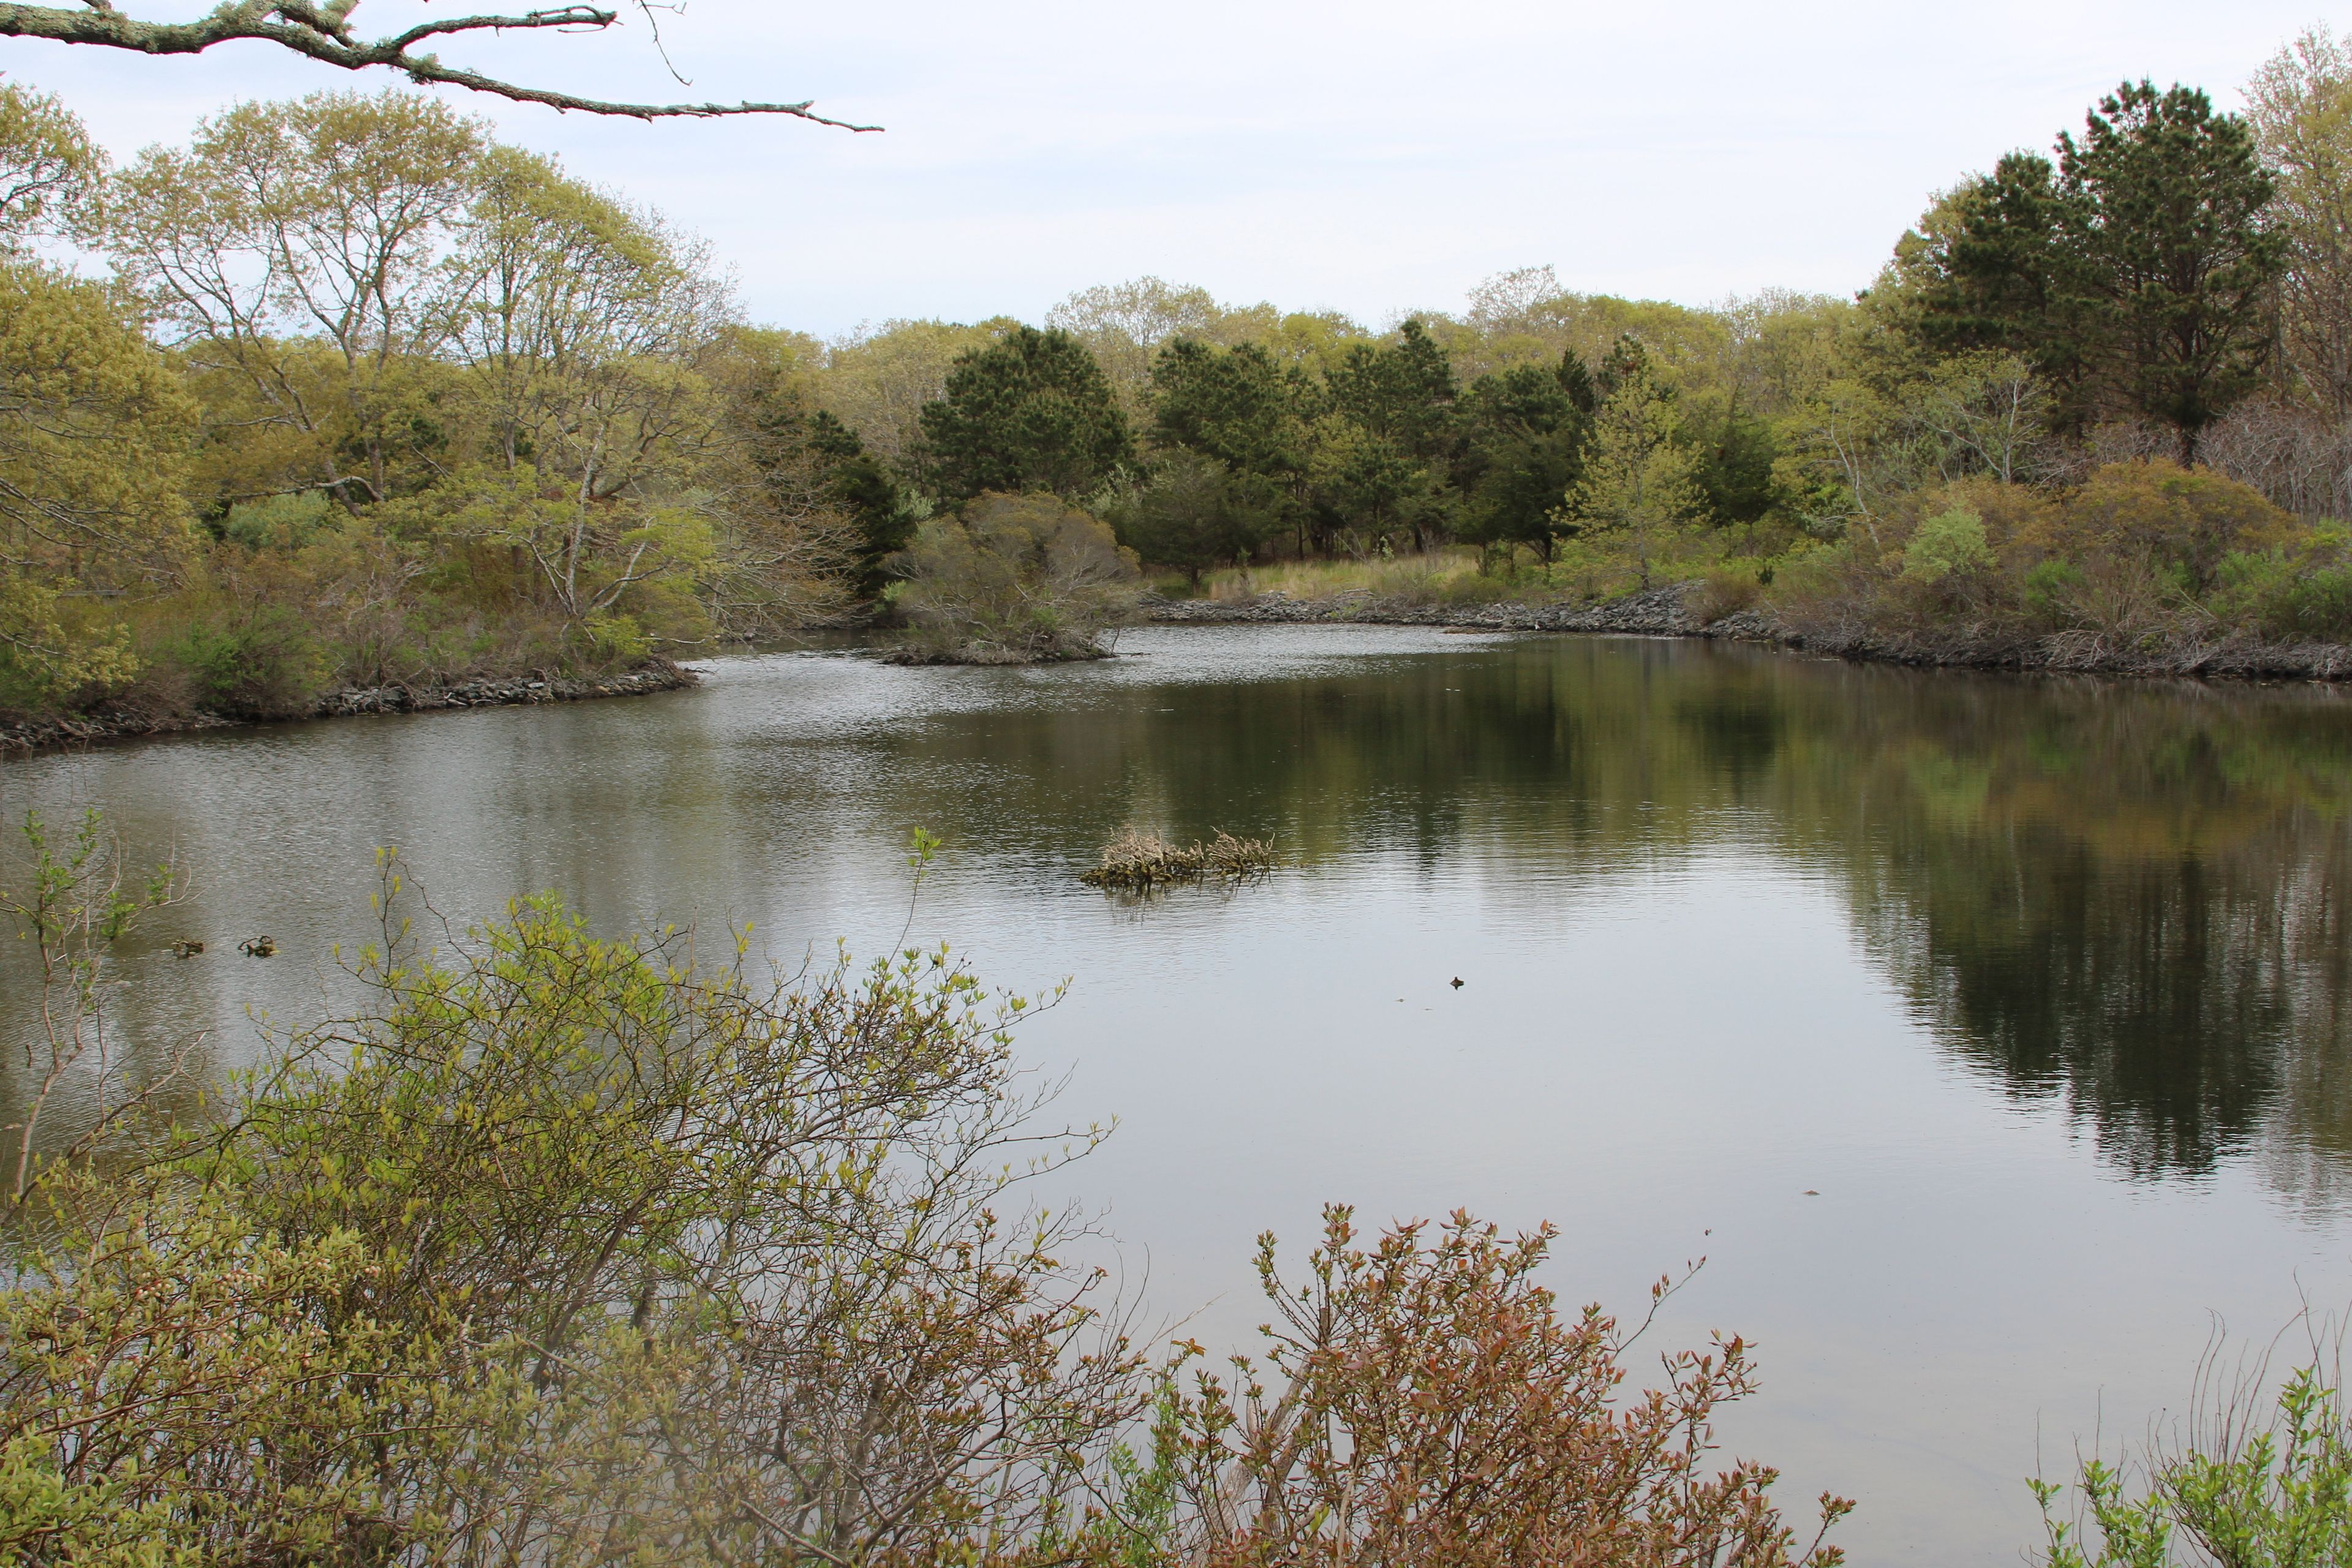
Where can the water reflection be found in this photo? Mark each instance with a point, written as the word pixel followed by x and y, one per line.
pixel 2126 899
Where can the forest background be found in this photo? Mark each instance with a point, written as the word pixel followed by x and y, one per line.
pixel 366 399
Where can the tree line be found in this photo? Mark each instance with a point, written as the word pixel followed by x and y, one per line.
pixel 1960 450
pixel 367 399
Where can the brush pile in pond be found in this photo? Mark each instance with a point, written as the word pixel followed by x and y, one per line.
pixel 1136 860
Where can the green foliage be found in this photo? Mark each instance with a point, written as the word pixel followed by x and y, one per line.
pixel 454 406
pixel 458 411
pixel 285 521
pixel 1735 450
pixel 1237 405
pixel 2180 294
pixel 2138 274
pixel 1193 513
pixel 2253 1495
pixel 1527 430
pixel 2138 558
pixel 1947 543
pixel 1014 579
pixel 2051 588
pixel 93 436
pixel 2300 106
pixel 1032 411
pixel 1636 504
pixel 48 166
pixel 261 665
pixel 1402 392
pixel 2291 595
pixel 569 1250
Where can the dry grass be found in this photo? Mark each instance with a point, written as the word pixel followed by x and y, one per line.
pixel 1137 861
pixel 1441 573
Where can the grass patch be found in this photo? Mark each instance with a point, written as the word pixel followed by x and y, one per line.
pixel 1428 578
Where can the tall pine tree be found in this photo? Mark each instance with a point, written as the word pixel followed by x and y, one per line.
pixel 2137 274
pixel 1031 412
pixel 2176 272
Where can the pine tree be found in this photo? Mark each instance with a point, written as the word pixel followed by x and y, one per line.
pixel 1031 412
pixel 2163 203
pixel 1637 496
pixel 1527 430
pixel 2137 275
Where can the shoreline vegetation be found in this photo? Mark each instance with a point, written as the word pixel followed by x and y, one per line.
pixel 523 1259
pixel 1437 597
pixel 2094 413
pixel 78 729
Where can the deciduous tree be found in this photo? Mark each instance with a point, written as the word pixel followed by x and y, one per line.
pixel 94 431
pixel 48 166
pixel 2300 105
pixel 295 252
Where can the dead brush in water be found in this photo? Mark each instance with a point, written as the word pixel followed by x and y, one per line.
pixel 1139 860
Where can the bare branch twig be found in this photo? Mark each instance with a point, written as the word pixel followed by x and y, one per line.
pixel 324 35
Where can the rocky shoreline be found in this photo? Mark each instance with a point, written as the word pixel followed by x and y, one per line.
pixel 46 734
pixel 1670 611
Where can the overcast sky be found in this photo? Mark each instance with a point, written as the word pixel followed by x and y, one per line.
pixel 1370 157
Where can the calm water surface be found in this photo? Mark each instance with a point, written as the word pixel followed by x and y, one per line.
pixel 1990 1037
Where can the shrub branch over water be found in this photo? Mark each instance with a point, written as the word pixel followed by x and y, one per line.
pixel 563 1250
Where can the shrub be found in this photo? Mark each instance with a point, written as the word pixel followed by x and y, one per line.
pixel 571 1251
pixel 2179 521
pixel 2249 1488
pixel 2050 589
pixel 2140 558
pixel 1434 1409
pixel 1015 580
pixel 1950 542
pixel 283 523
pixel 265 665
pixel 567 1250
pixel 2286 597
pixel 1729 588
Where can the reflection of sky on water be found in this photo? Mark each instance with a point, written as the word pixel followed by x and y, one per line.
pixel 2038 985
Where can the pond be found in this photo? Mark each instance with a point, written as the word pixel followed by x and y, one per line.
pixel 1987 1036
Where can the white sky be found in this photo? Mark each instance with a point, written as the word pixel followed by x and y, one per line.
pixel 1373 156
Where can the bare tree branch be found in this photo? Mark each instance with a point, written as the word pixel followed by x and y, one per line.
pixel 324 33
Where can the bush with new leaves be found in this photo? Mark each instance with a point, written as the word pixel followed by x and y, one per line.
pixel 1435 1411
pixel 566 1250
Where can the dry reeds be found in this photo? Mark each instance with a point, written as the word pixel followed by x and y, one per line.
pixel 1136 860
